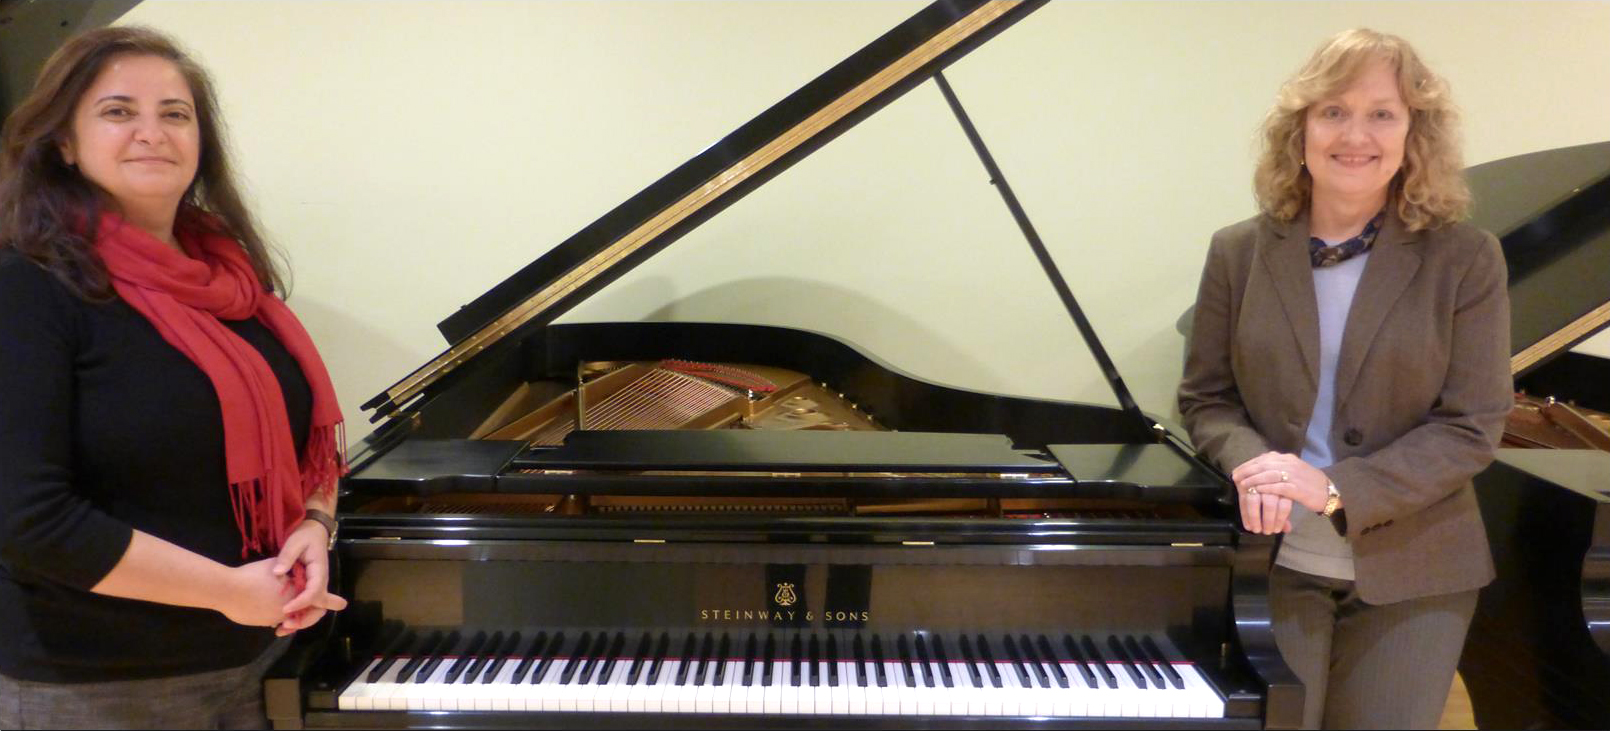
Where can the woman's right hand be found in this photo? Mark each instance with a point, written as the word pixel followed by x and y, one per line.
pixel 1261 513
pixel 255 595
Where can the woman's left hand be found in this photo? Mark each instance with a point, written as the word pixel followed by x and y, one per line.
pixel 1284 475
pixel 307 546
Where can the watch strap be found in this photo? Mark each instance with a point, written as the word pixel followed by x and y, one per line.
pixel 326 520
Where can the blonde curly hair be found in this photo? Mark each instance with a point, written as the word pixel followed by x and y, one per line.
pixel 1427 192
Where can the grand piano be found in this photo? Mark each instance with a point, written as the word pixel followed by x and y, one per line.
pixel 1538 652
pixel 708 524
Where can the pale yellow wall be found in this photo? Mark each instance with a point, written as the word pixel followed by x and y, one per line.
pixel 407 156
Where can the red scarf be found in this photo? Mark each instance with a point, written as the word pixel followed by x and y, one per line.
pixel 185 297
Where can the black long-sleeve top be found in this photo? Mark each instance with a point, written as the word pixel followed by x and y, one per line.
pixel 106 428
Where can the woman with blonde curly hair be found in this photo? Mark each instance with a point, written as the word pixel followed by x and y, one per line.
pixel 1349 366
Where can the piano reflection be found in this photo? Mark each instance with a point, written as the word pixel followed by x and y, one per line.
pixel 707 524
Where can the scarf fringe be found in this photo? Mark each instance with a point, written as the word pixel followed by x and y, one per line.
pixel 325 460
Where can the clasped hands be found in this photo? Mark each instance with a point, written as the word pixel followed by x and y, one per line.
pixel 1270 483
pixel 288 592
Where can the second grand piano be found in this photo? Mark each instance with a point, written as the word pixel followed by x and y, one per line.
pixel 697 525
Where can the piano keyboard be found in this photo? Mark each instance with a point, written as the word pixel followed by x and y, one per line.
pixel 784 672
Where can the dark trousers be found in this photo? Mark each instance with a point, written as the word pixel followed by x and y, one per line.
pixel 1365 665
pixel 219 699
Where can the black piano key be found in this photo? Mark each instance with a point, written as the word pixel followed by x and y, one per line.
pixel 750 650
pixel 1032 657
pixel 577 656
pixel 706 650
pixel 723 654
pixel 1015 659
pixel 422 654
pixel 816 661
pixel 1157 656
pixel 545 661
pixel 1098 662
pixel 660 649
pixel 595 658
pixel 795 657
pixel 767 660
pixel 429 668
pixel 971 661
pixel 860 661
pixel 1126 662
pixel 640 659
pixel 833 661
pixel 1077 657
pixel 689 647
pixel 395 648
pixel 990 667
pixel 529 657
pixel 877 662
pixel 923 660
pixel 613 657
pixel 902 647
pixel 943 661
pixel 494 650
pixel 462 663
pixel 1145 662
pixel 1049 655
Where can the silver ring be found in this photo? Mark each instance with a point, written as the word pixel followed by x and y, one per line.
pixel 1284 477
pixel 1252 491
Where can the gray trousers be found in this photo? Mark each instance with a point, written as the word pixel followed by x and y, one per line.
pixel 1365 665
pixel 219 699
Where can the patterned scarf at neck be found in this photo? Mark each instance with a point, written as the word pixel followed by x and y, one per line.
pixel 1323 255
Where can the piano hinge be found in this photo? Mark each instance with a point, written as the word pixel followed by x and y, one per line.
pixel 648 540
pixel 386 538
pixel 1186 545
pixel 916 543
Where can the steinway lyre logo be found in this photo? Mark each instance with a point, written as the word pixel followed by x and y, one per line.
pixel 785 595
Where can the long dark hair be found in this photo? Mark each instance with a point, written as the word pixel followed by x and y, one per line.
pixel 48 210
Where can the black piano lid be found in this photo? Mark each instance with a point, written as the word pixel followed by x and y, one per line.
pixel 1551 211
pixel 717 177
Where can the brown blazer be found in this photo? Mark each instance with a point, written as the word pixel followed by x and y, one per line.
pixel 1422 387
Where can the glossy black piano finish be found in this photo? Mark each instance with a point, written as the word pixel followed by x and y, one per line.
pixel 1538 653
pixel 941 514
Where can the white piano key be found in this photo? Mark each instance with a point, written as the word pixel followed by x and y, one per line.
pixel 613 694
pixel 804 692
pixel 856 694
pixel 788 698
pixel 360 686
pixel 547 694
pixel 774 692
pixel 426 696
pixel 898 700
pixel 662 685
pixel 823 689
pixel 495 695
pixel 721 693
pixel 755 694
pixel 704 695
pixel 1012 695
pixel 1205 700
pixel 839 695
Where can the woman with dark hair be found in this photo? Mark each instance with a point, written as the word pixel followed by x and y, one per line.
pixel 1349 366
pixel 169 437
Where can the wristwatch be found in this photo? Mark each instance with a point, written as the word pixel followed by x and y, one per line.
pixel 1333 499
pixel 329 523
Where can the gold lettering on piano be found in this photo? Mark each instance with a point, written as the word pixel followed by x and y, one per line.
pixel 773 615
